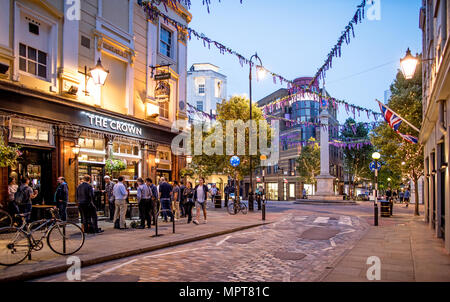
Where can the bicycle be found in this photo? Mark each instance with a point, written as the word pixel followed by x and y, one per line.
pixel 235 207
pixel 5 219
pixel 16 244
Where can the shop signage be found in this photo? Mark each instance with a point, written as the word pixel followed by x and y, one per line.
pixel 107 123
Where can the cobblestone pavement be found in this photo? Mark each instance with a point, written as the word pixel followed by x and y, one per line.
pixel 300 246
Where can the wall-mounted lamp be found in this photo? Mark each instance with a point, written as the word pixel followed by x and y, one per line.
pixel 98 75
pixel 188 160
pixel 76 152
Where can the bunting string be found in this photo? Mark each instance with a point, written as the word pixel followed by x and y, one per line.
pixel 153 13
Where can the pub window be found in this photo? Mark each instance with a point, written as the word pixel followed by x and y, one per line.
pixel 33 61
pixel 164 109
pixel 165 42
pixel 201 89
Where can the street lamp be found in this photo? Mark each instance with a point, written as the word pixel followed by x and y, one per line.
pixel 98 75
pixel 376 156
pixel 408 65
pixel 260 73
pixel 76 151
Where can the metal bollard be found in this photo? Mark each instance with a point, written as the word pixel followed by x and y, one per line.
pixel 173 220
pixel 376 213
pixel 264 210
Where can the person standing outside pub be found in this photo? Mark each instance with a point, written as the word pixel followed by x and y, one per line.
pixel 144 194
pixel 85 199
pixel 153 199
pixel 165 194
pixel 120 203
pixel 406 197
pixel 62 198
pixel 109 191
pixel 200 198
pixel 176 200
pixel 182 199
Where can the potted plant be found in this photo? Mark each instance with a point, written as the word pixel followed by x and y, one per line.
pixel 8 155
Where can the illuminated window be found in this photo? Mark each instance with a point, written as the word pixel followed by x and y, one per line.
pixel 165 45
pixel 32 60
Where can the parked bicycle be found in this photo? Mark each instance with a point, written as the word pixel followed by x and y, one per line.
pixel 235 207
pixel 5 219
pixel 16 244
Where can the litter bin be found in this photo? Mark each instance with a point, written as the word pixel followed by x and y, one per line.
pixel 218 202
pixel 385 208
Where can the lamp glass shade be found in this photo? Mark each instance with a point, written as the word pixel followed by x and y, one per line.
pixel 408 65
pixel 376 156
pixel 260 72
pixel 157 160
pixel 99 74
pixel 76 150
pixel 189 160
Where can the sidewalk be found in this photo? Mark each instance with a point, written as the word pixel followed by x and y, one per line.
pixel 407 248
pixel 115 244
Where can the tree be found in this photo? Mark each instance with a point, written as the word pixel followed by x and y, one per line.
pixel 398 154
pixel 309 162
pixel 357 161
pixel 235 109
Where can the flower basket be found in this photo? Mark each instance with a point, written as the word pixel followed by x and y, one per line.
pixel 9 155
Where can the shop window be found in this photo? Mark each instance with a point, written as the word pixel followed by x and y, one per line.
pixel 291 190
pixel 33 61
pixel 18 132
pixel 91 143
pixel 30 134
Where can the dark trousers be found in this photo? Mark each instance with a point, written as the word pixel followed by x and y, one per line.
pixel 112 208
pixel 182 208
pixel 258 201
pixel 227 197
pixel 144 212
pixel 188 209
pixel 89 217
pixel 26 209
pixel 62 209
pixel 166 209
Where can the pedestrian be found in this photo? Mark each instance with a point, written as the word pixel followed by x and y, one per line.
pixel 176 200
pixel 12 206
pixel 401 196
pixel 182 199
pixel 153 199
pixel 394 195
pixel 389 194
pixel 62 197
pixel 88 211
pixel 144 194
pixel 406 197
pixel 200 198
pixel 227 194
pixel 189 200
pixel 120 203
pixel 213 193
pixel 165 195
pixel 259 196
pixel 304 196
pixel 109 191
pixel 23 198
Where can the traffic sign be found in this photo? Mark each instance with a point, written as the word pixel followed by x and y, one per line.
pixel 235 161
pixel 372 166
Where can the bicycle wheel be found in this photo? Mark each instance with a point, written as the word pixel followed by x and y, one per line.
pixel 15 246
pixel 65 238
pixel 244 209
pixel 5 219
pixel 232 209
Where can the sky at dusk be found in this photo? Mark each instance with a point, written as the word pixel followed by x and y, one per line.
pixel 293 38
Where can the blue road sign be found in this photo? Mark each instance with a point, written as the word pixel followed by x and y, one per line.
pixel 372 166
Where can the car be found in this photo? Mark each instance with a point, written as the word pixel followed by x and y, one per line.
pixel 363 197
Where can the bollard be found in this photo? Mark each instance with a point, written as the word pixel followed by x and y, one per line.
pixel 264 210
pixel 376 213
pixel 173 220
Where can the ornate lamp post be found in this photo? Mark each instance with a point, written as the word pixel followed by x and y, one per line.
pixel 260 75
pixel 376 156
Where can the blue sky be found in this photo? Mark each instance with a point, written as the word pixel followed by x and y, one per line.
pixel 293 38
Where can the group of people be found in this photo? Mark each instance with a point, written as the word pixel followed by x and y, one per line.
pixel 172 201
pixel 395 195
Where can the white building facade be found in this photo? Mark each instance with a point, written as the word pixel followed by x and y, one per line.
pixel 206 87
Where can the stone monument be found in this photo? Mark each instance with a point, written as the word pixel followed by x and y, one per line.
pixel 325 182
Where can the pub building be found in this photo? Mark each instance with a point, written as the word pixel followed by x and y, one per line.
pixel 59 137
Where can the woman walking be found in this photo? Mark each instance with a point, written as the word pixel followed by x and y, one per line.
pixel 189 200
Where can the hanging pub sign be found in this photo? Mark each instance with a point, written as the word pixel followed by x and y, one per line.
pixel 162 76
pixel 162 91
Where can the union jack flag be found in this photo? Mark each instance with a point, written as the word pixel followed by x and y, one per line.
pixel 393 120
pixel 409 138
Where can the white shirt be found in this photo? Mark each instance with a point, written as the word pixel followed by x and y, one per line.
pixel 200 194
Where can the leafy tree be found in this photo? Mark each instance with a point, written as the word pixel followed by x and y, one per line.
pixel 235 109
pixel 357 161
pixel 309 162
pixel 399 155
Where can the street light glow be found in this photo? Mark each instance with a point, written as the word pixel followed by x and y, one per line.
pixel 99 74
pixel 260 72
pixel 376 156
pixel 408 65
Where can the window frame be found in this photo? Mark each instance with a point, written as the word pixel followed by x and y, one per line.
pixel 170 46
pixel 35 61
